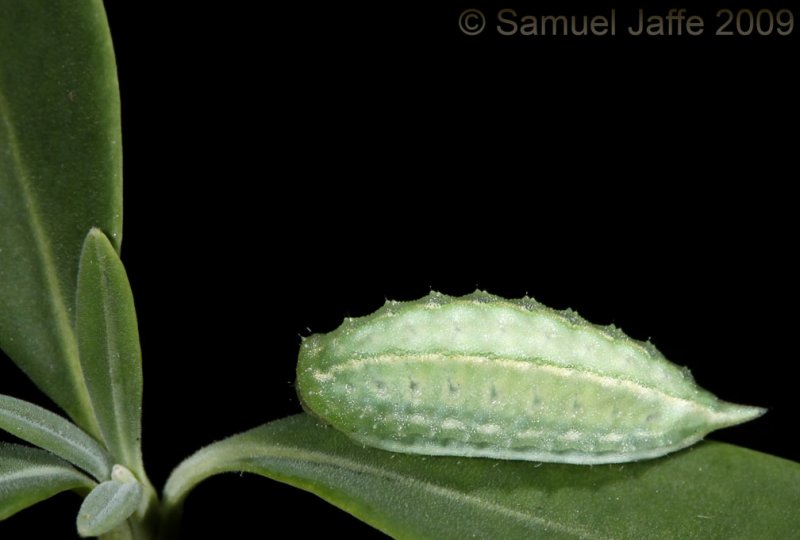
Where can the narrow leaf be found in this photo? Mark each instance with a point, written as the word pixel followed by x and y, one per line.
pixel 712 490
pixel 39 426
pixel 108 506
pixel 108 339
pixel 60 175
pixel 29 475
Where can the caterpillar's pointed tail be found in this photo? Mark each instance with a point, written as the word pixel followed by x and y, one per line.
pixel 731 414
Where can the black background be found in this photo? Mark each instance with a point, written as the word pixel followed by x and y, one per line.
pixel 285 168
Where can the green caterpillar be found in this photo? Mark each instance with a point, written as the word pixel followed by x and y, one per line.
pixel 480 375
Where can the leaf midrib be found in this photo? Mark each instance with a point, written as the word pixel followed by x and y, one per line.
pixel 43 472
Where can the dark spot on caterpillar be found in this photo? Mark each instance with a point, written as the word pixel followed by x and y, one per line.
pixel 493 393
pixel 412 384
pixel 452 387
pixel 380 389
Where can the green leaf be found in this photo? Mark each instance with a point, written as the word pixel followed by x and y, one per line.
pixel 108 340
pixel 711 490
pixel 60 175
pixel 29 475
pixel 109 505
pixel 39 426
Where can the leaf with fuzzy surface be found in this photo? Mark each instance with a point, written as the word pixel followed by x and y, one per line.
pixel 29 475
pixel 39 426
pixel 108 340
pixel 108 506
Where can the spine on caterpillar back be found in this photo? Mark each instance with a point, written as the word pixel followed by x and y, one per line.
pixel 480 375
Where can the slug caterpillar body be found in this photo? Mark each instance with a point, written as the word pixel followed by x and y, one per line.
pixel 480 375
